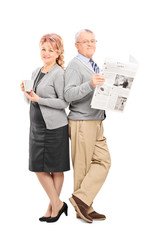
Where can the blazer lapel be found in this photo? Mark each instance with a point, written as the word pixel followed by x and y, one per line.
pixel 35 78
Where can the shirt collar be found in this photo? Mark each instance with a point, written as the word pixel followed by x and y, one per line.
pixel 83 58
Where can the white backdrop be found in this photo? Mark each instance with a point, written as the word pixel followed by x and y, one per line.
pixel 130 196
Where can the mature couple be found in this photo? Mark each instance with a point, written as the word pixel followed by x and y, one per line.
pixel 53 89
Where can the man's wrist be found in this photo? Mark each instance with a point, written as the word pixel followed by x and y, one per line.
pixel 90 84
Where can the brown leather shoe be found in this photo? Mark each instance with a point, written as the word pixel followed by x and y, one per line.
pixel 95 216
pixel 81 208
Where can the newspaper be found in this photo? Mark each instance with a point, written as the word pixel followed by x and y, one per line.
pixel 113 94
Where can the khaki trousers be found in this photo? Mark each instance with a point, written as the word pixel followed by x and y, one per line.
pixel 90 158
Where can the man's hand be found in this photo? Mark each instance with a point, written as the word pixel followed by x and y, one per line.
pixel 32 96
pixel 97 79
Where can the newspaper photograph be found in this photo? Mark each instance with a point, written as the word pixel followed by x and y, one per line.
pixel 113 94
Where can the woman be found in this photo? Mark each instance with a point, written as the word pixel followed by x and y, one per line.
pixel 49 142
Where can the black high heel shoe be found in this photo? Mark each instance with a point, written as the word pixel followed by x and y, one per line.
pixel 63 209
pixel 43 219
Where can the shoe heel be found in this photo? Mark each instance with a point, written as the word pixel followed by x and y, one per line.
pixel 66 210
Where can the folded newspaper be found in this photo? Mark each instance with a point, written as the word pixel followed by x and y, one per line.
pixel 113 94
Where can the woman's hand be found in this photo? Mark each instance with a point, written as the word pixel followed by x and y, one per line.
pixel 32 96
pixel 22 87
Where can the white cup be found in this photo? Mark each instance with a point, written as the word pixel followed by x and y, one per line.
pixel 28 85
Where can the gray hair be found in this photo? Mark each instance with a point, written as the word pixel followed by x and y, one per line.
pixel 81 31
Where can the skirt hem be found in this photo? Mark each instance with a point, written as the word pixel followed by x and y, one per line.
pixel 49 171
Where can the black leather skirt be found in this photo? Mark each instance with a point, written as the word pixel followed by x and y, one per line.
pixel 48 149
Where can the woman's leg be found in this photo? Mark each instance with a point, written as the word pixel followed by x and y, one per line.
pixel 58 178
pixel 47 183
pixel 49 211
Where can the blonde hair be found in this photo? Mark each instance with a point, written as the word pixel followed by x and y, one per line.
pixel 57 43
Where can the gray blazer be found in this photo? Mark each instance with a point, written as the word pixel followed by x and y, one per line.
pixel 50 90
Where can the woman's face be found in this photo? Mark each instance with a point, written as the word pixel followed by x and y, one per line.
pixel 48 54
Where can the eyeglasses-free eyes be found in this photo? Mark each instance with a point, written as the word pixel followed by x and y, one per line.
pixel 86 42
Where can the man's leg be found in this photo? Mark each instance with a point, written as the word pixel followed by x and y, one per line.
pixel 80 151
pixel 84 137
pixel 81 156
pixel 98 169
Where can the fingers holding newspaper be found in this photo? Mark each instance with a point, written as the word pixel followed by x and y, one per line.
pixel 97 79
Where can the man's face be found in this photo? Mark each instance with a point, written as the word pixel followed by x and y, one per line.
pixel 86 44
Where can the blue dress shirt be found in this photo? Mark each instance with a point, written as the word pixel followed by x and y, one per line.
pixel 85 60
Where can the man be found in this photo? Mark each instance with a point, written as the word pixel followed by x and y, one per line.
pixel 90 155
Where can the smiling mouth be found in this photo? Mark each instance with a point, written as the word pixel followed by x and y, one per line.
pixel 46 57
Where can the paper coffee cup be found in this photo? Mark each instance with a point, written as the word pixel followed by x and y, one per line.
pixel 28 85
